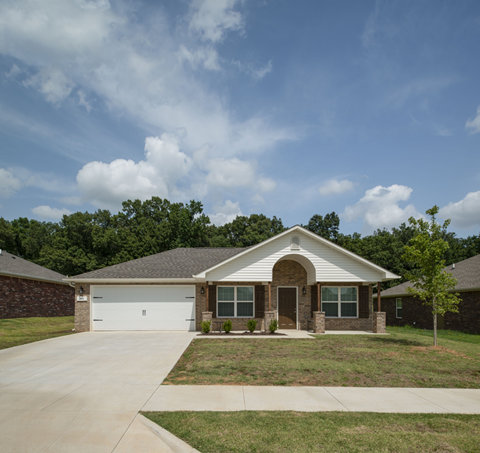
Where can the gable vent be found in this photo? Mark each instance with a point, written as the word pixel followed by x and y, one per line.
pixel 295 243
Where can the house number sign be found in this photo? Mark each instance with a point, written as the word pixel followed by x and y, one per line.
pixel 82 299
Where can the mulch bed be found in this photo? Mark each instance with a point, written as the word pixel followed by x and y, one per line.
pixel 243 334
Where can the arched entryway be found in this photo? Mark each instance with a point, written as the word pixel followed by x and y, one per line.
pixel 289 282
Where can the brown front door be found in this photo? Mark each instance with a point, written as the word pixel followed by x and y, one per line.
pixel 287 308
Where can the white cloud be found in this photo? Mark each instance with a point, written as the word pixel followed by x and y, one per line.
pixel 379 208
pixel 138 72
pixel 204 56
pixel 334 187
pixel 46 212
pixel 213 18
pixel 225 213
pixel 107 185
pixel 256 73
pixel 474 124
pixel 82 100
pixel 229 173
pixel 52 83
pixel 464 213
pixel 9 184
pixel 76 201
pixel 14 71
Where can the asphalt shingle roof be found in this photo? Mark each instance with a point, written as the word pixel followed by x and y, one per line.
pixel 177 263
pixel 14 265
pixel 467 273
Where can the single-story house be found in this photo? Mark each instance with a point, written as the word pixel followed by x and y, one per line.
pixel 29 290
pixel 297 277
pixel 403 309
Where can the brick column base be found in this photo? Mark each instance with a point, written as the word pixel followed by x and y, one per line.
pixel 269 315
pixel 318 322
pixel 207 315
pixel 379 322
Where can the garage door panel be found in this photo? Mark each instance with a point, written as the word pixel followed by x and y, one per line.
pixel 144 308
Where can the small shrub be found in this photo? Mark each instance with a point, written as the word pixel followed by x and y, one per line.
pixel 206 326
pixel 273 326
pixel 251 325
pixel 227 326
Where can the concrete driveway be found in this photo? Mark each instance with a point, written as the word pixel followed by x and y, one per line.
pixel 80 393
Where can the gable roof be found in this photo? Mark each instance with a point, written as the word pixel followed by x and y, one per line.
pixel 180 263
pixel 388 275
pixel 15 266
pixel 467 273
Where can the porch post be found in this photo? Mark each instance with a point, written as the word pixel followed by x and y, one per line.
pixel 318 296
pixel 208 300
pixel 269 296
pixel 379 297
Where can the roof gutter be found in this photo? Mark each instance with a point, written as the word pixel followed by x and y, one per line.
pixel 133 280
pixel 29 277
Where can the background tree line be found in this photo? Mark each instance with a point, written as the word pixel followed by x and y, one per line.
pixel 83 242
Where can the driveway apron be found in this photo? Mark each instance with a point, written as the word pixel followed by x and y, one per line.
pixel 80 393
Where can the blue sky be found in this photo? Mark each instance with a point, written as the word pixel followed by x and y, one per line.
pixel 287 108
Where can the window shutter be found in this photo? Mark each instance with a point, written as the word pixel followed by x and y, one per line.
pixel 313 300
pixel 363 302
pixel 259 301
pixel 212 302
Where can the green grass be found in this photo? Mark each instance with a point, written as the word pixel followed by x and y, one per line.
pixel 14 332
pixel 306 432
pixel 405 358
pixel 453 335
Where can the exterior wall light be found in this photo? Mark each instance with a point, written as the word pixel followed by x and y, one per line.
pixel 81 290
pixel 304 291
pixel 202 291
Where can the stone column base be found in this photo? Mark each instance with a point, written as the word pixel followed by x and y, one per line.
pixel 269 316
pixel 318 322
pixel 207 315
pixel 379 322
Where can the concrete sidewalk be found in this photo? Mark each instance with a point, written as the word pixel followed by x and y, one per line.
pixel 313 399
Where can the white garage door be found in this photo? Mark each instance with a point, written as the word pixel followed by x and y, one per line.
pixel 143 307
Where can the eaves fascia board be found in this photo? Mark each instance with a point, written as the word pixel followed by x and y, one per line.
pixel 29 277
pixel 387 274
pixel 132 280
pixel 459 290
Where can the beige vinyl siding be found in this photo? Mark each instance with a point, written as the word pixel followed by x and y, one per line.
pixel 323 263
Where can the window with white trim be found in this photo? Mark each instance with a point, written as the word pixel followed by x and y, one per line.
pixel 340 301
pixel 235 301
pixel 398 308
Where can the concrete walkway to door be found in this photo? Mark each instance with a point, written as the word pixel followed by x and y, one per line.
pixel 81 393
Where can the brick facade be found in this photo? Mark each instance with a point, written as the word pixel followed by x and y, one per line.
pixel 414 313
pixel 25 298
pixel 285 273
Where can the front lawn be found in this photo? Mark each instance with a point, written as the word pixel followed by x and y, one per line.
pixel 306 432
pixel 405 358
pixel 14 332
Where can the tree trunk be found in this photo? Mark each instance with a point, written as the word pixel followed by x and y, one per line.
pixel 434 325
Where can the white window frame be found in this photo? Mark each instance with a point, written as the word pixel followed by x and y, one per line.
pixel 235 301
pixel 397 307
pixel 339 301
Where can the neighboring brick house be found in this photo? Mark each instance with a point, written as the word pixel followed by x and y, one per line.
pixel 29 290
pixel 403 309
pixel 297 277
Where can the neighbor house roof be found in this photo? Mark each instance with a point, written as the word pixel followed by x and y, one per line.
pixel 15 266
pixel 181 263
pixel 467 273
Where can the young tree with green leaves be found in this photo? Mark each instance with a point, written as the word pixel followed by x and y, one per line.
pixel 432 284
